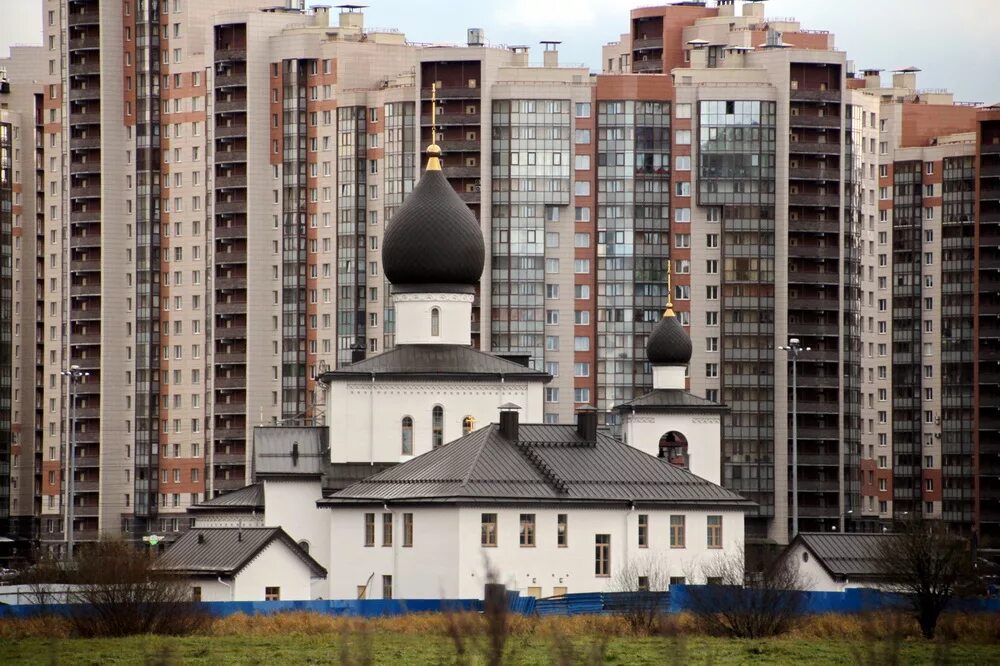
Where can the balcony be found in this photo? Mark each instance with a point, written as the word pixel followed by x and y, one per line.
pixel 84 340
pixel 230 408
pixel 91 67
pixel 87 412
pixel 236 307
pixel 647 44
pixel 84 143
pixel 231 182
pixel 813 121
pixel 85 241
pixel 806 302
pixel 230 433
pixel 85 191
pixel 230 358
pixel 234 257
pixel 230 156
pixel 229 459
pixel 227 131
pixel 469 197
pixel 647 66
pixel 88 511
pixel 86 462
pixel 453 92
pixel 813 173
pixel 76 168
pixel 231 283
pixel 818 407
pixel 231 232
pixel 451 119
pixel 462 172
pixel 809 486
pixel 80 94
pixel 992 194
pixel 84 266
pixel 229 484
pixel 84 118
pixel 823 200
pixel 90 289
pixel 831 512
pixel 86 486
pixel 813 148
pixel 989 148
pixel 84 18
pixel 990 172
pixel 230 54
pixel 86 42
pixel 85 315
pixel 459 146
pixel 230 382
pixel 813 252
pixel 813 277
pixel 231 106
pixel 237 206
pixel 814 459
pixel 814 95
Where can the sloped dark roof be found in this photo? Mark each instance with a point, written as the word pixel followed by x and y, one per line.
pixel 670 400
pixel 847 555
pixel 289 451
pixel 668 344
pixel 547 463
pixel 226 550
pixel 242 500
pixel 433 238
pixel 436 362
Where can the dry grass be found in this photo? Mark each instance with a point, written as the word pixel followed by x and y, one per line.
pixel 15 629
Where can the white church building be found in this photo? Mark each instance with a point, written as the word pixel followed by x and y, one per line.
pixel 454 480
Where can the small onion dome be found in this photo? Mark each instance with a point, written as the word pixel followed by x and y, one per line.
pixel 668 343
pixel 433 239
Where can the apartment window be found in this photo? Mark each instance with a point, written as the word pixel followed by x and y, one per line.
pixel 682 110
pixel 272 594
pixel 682 163
pixel 407 530
pixel 581 188
pixel 488 534
pixel 682 137
pixel 527 539
pixel 602 554
pixel 386 529
pixel 582 162
pixel 582 136
pixel 562 530
pixel 677 532
pixel 682 240
pixel 711 369
pixel 583 109
pixel 643 530
pixel 715 531
pixel 369 529
pixel 387 587
pixel 929 168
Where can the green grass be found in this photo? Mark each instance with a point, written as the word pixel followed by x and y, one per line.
pixel 396 648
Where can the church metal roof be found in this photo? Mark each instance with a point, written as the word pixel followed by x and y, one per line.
pixel 670 400
pixel 436 362
pixel 847 555
pixel 546 464
pixel 226 551
pixel 242 500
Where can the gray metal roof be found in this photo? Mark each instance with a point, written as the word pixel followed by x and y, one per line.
pixel 226 550
pixel 547 463
pixel 435 362
pixel 670 400
pixel 847 555
pixel 242 500
pixel 289 450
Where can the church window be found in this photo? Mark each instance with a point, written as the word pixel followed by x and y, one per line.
pixel 435 322
pixel 437 426
pixel 468 425
pixel 407 436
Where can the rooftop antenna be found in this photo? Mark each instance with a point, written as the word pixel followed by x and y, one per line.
pixel 670 304
pixel 433 150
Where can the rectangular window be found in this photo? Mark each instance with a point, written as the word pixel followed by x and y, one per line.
pixel 407 530
pixel 369 529
pixel 386 529
pixel 488 535
pixel 387 587
pixel 527 530
pixel 602 554
pixel 677 535
pixel 643 530
pixel 272 594
pixel 715 531
pixel 562 530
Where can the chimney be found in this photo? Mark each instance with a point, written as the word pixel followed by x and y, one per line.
pixel 322 13
pixel 586 424
pixel 508 421
pixel 550 58
pixel 520 56
pixel 351 17
pixel 873 78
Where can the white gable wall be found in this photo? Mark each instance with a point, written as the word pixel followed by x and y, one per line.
pixel 448 561
pixel 275 566
pixel 643 430
pixel 291 505
pixel 365 417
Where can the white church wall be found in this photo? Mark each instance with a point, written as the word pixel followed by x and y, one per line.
pixel 447 559
pixel 275 566
pixel 360 413
pixel 643 431
pixel 414 324
pixel 211 588
pixel 291 505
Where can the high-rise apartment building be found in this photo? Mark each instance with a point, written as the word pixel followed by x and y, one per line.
pixel 203 190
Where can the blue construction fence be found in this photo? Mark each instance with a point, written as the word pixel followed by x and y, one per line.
pixel 678 600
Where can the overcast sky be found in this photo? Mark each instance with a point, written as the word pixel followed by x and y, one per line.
pixel 952 42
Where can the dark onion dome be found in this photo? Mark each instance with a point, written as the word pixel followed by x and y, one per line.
pixel 668 343
pixel 433 239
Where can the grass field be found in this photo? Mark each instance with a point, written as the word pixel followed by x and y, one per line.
pixel 381 647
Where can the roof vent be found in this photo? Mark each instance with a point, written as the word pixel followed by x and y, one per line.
pixel 586 424
pixel 201 538
pixel 508 421
pixel 295 454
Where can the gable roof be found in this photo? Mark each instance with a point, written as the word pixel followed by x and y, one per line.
pixel 226 551
pixel 846 555
pixel 435 362
pixel 547 463
pixel 242 500
pixel 671 400
pixel 289 451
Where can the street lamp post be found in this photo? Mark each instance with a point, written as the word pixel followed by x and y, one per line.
pixel 74 374
pixel 795 348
